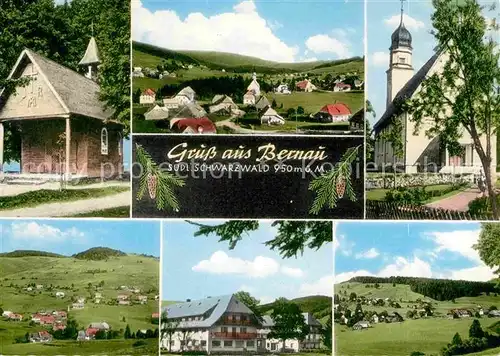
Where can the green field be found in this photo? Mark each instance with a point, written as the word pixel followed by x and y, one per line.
pixel 76 278
pixel 427 335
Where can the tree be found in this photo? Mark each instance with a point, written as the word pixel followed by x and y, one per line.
pixel 274 104
pixel 352 296
pixel 463 97
pixel 101 335
pixel 300 110
pixel 168 327
pixel 289 322
pixel 291 239
pixel 127 334
pixel 251 302
pixel 475 330
pixel 290 112
pixel 326 334
pixel 488 245
pixel 457 340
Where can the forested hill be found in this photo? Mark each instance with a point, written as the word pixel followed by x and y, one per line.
pixel 29 253
pixel 318 305
pixel 99 253
pixel 439 289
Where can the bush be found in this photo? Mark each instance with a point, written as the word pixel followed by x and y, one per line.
pixel 481 205
pixel 139 343
pixel 418 195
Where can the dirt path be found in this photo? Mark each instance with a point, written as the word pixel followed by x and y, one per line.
pixel 238 129
pixel 458 202
pixel 70 208
pixel 15 189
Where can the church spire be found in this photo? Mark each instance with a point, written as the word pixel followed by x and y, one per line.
pixel 91 58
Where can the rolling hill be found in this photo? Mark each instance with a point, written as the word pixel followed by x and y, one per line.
pixel 98 253
pixel 26 253
pixel 145 55
pixel 320 306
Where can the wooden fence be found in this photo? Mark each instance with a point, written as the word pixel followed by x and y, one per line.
pixel 391 211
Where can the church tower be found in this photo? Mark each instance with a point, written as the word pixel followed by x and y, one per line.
pixel 400 61
pixel 91 59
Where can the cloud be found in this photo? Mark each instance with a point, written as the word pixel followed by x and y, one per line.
pixel 459 242
pixel 478 273
pixel 35 233
pixel 407 268
pixel 241 31
pixel 345 276
pixel 380 59
pixel 323 286
pixel 326 44
pixel 341 244
pixel 409 22
pixel 292 272
pixel 368 254
pixel 221 263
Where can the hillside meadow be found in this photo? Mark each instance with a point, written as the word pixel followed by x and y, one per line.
pixel 77 278
pixel 428 335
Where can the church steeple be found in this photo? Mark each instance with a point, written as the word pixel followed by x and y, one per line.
pixel 400 59
pixel 91 58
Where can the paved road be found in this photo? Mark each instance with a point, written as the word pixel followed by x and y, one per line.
pixel 458 202
pixel 71 208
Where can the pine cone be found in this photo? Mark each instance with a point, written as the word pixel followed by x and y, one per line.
pixel 340 187
pixel 152 181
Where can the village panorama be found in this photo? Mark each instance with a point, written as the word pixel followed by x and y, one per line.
pixel 71 298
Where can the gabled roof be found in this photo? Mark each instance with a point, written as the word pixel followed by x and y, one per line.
pixel 407 90
pixel 194 125
pixel 336 109
pixel 157 113
pixel 91 54
pixel 269 111
pixel 190 110
pixel 188 91
pixel 302 84
pixel 262 102
pixel 76 94
pixel 149 91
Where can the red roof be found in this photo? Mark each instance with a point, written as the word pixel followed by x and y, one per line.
pixel 91 331
pixel 342 85
pixel 337 109
pixel 44 333
pixel 155 315
pixel 302 84
pixel 47 319
pixel 149 91
pixel 201 125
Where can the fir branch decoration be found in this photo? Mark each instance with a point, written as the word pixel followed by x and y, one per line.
pixel 159 184
pixel 336 184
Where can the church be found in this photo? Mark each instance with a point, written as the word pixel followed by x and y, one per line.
pixel 66 130
pixel 420 153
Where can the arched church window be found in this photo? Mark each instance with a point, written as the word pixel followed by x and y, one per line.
pixel 104 141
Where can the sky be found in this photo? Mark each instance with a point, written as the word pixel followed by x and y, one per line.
pixel 198 267
pixel 383 18
pixel 68 237
pixel 418 249
pixel 283 31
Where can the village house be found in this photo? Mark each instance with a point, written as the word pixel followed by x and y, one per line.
pixel 43 319
pixel 202 125
pixel 494 313
pixel 341 87
pixel 305 86
pixel 122 297
pixel 338 112
pixel 65 129
pixel 185 96
pixel 269 116
pixel 7 313
pixel 143 299
pixel 157 113
pixel 148 96
pixel 77 306
pixel 124 302
pixel 15 317
pixel 282 89
pixel 60 294
pixel 100 326
pixel 262 103
pixel 361 325
pixel 253 92
pixel 39 286
pixel 28 289
pixel 80 300
pixel 420 152
pixel 41 336
pixel 223 104
pixel 374 319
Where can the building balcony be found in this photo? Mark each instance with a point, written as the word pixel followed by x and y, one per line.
pixel 231 335
pixel 228 321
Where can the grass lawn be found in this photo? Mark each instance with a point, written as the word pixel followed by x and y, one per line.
pixel 287 354
pixel 379 194
pixel 101 347
pixel 490 352
pixel 424 335
pixel 313 102
pixel 45 196
pixel 118 212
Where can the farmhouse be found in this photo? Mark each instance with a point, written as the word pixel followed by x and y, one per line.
pixel 306 86
pixel 60 294
pixel 282 89
pixel 64 126
pixel 269 116
pixel 143 299
pixel 262 103
pixel 338 112
pixel 77 306
pixel 42 336
pixel 100 326
pixel 157 113
pixel 7 313
pixel 15 317
pixel 494 313
pixel 420 152
pixel 39 286
pixel 148 96
pixel 171 103
pixel 222 103
pixel 186 95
